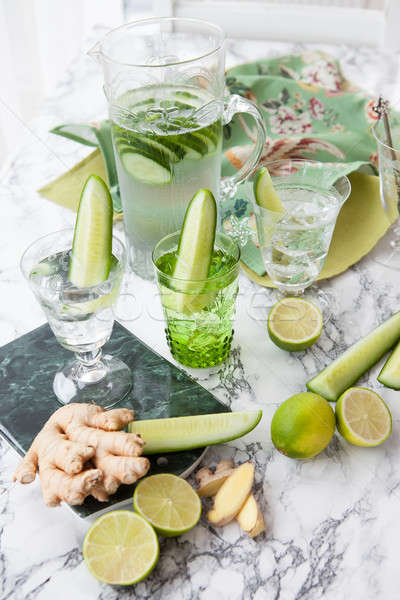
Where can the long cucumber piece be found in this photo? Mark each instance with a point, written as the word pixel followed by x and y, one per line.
pixel 194 255
pixel 390 373
pixel 185 433
pixel 196 243
pixel 332 381
pixel 92 245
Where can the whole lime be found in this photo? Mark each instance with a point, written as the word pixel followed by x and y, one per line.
pixel 303 425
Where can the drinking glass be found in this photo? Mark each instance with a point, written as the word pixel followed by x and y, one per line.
pixel 165 86
pixel 199 313
pixel 388 248
pixel 295 243
pixel 80 318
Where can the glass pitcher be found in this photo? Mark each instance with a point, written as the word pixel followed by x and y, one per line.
pixel 165 86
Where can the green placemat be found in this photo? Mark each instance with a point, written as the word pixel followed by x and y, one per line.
pixel 159 389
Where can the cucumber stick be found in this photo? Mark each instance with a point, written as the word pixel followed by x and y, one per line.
pixel 332 381
pixel 194 255
pixel 196 242
pixel 92 245
pixel 185 433
pixel 390 374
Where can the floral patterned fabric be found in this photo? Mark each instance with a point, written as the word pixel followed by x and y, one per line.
pixel 310 111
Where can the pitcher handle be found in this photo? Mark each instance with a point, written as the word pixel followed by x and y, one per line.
pixel 238 104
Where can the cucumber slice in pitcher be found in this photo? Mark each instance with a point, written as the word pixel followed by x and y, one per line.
pixel 332 381
pixel 202 137
pixel 162 150
pixel 390 374
pixel 92 245
pixel 143 168
pixel 194 147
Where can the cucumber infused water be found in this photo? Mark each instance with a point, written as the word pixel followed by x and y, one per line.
pixel 167 142
pixel 296 242
pixel 76 276
pixel 79 317
pixel 78 285
pixel 197 271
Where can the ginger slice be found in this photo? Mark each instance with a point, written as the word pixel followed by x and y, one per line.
pixel 232 495
pixel 250 517
pixel 79 451
pixel 210 482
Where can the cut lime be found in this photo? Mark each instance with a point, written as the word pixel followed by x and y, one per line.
pixel 294 324
pixel 390 374
pixel 265 194
pixel 91 249
pixel 168 502
pixel 347 368
pixel 120 548
pixel 185 433
pixel 362 417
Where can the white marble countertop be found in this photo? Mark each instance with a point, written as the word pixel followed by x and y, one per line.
pixel 332 522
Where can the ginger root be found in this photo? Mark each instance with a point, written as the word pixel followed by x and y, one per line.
pixel 210 482
pixel 250 517
pixel 79 451
pixel 232 495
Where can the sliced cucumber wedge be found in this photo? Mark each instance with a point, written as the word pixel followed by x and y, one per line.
pixel 145 169
pixel 265 193
pixel 390 374
pixel 332 381
pixel 196 243
pixel 185 433
pixel 194 255
pixel 92 245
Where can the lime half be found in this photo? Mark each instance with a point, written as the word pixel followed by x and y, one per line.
pixel 91 249
pixel 120 548
pixel 294 324
pixel 362 417
pixel 168 502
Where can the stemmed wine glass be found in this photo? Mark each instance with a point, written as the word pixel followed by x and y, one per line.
pixel 80 318
pixel 295 243
pixel 388 248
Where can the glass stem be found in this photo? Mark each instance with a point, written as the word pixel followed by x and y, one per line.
pixel 90 369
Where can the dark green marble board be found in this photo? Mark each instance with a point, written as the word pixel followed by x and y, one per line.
pixel 27 368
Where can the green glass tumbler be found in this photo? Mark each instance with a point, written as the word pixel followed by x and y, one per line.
pixel 199 314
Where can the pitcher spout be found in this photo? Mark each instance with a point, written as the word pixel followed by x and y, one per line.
pixel 95 52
